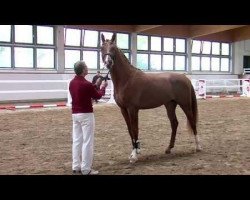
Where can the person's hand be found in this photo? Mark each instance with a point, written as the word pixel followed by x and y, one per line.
pixel 104 84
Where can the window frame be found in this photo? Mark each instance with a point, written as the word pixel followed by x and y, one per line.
pixel 34 45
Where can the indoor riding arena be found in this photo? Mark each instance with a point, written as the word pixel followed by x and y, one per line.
pixel 37 65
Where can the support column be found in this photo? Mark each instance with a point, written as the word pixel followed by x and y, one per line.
pixel 134 49
pixel 60 55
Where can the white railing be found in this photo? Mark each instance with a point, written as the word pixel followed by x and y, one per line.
pixel 246 71
pixel 221 87
pixel 17 90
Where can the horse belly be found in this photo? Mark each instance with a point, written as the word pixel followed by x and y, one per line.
pixel 153 100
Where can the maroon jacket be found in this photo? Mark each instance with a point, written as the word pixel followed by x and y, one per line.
pixel 82 92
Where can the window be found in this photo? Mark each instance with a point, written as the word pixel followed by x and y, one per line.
pixel 5 33
pixel 73 37
pixel 195 60
pixel 23 34
pixel 196 47
pixel 90 39
pixel 224 64
pixel 215 48
pixel 86 47
pixel 90 58
pixel 5 57
pixel 168 62
pixel 180 62
pixel 155 62
pixel 45 58
pixel 206 48
pixel 27 46
pixel 21 53
pixel 155 43
pixel 215 64
pixel 205 63
pixel 123 41
pixel 45 35
pixel 142 61
pixel 142 42
pixel 168 44
pixel 180 45
pixel 164 53
pixel 210 56
pixel 71 57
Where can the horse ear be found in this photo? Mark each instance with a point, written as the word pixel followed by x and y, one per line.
pixel 103 38
pixel 113 39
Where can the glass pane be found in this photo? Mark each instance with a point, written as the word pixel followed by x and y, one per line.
pixel 45 58
pixel 90 58
pixel 71 57
pixel 224 64
pixel 205 63
pixel 168 62
pixel 155 62
pixel 122 41
pixel 155 43
pixel 5 57
pixel 180 45
pixel 90 39
pixel 45 35
pixel 142 42
pixel 142 61
pixel 215 64
pixel 73 37
pixel 225 49
pixel 206 48
pixel 24 33
pixel 168 44
pixel 5 32
pixel 179 62
pixel 195 63
pixel 23 57
pixel 196 47
pixel 216 48
pixel 127 55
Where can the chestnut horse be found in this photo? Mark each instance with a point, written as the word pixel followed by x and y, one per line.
pixel 135 90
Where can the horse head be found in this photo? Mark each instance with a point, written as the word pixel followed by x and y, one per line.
pixel 108 50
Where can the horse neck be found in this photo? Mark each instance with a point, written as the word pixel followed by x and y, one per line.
pixel 122 70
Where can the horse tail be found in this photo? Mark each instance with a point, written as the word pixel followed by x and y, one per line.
pixel 194 109
pixel 194 105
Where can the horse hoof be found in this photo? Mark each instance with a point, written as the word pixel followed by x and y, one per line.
pixel 168 151
pixel 198 149
pixel 132 159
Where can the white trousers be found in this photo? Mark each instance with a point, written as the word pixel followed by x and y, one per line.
pixel 83 141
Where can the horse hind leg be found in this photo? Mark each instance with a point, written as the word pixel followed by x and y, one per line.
pixel 193 126
pixel 174 124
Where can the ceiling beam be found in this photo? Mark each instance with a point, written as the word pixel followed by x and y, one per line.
pixel 241 34
pixel 141 28
pixel 201 30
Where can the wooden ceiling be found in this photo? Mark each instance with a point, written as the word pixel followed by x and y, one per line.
pixel 221 33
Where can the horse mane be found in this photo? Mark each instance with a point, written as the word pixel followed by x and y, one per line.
pixel 120 51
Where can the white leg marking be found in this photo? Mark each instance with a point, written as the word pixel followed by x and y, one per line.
pixel 197 142
pixel 133 157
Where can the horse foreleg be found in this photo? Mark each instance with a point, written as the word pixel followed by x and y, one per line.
pixel 133 119
pixel 126 118
pixel 174 124
pixel 125 114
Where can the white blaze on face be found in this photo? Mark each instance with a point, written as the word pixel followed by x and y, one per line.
pixel 107 56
